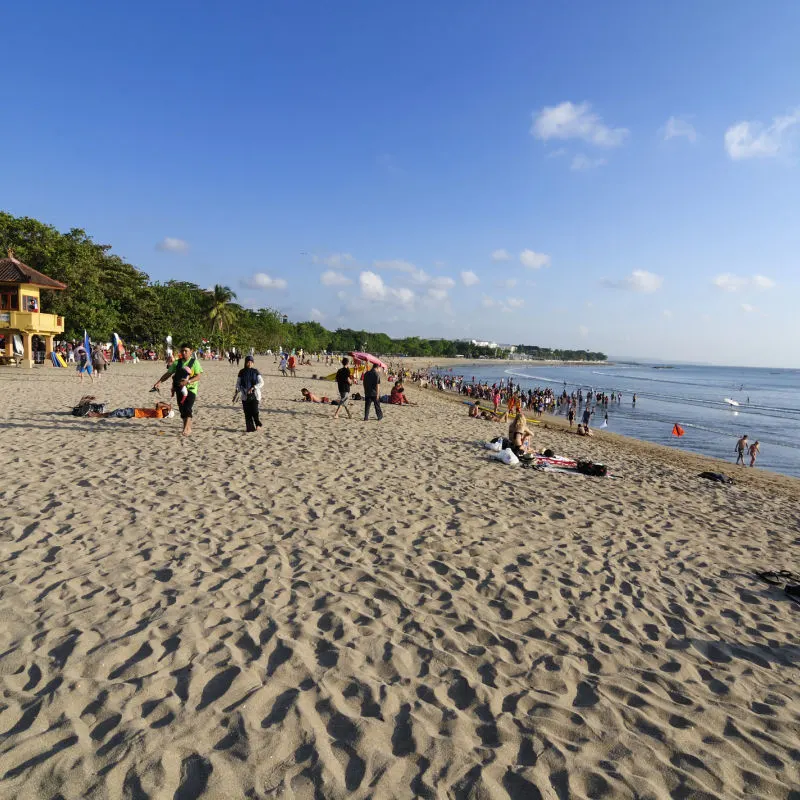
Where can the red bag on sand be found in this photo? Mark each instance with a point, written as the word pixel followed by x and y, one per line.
pixel 677 430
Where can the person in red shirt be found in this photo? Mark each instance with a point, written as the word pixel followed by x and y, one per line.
pixel 397 396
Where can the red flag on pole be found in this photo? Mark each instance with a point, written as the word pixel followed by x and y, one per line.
pixel 677 430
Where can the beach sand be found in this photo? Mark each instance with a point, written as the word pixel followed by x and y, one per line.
pixel 334 609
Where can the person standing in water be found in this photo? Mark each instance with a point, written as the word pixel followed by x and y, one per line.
pixel 248 386
pixel 741 447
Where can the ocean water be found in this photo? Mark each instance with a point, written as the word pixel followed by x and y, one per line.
pixel 693 396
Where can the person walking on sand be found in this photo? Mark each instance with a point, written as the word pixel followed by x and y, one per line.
pixel 99 361
pixel 248 386
pixel 753 451
pixel 291 365
pixel 343 380
pixel 84 364
pixel 371 381
pixel 741 447
pixel 185 372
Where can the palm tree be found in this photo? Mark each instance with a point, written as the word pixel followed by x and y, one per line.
pixel 221 314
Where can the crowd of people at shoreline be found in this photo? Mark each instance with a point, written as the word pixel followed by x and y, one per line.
pixel 499 401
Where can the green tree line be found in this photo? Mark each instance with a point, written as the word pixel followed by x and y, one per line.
pixel 106 294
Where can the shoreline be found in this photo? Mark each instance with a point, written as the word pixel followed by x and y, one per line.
pixel 432 363
pixel 746 476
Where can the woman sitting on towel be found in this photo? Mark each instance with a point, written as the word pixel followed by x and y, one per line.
pixel 518 432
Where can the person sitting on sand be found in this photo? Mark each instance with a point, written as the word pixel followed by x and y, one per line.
pixel 475 410
pixel 397 396
pixel 161 411
pixel 518 432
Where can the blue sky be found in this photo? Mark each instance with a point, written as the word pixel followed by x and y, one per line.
pixel 621 176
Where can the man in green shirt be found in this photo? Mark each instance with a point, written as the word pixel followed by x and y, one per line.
pixel 185 372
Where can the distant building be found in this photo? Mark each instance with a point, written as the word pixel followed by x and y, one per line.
pixel 24 329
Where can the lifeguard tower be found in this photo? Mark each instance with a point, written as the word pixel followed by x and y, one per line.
pixel 21 316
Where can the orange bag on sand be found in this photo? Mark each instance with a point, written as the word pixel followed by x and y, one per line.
pixel 677 430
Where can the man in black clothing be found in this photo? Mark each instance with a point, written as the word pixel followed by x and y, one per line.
pixel 371 383
pixel 343 381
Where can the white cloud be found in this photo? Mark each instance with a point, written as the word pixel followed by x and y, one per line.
pixel 677 127
pixel 501 255
pixel 763 282
pixel 747 308
pixel 437 294
pixel 420 276
pixel 570 121
pixel 171 245
pixel 583 331
pixel 395 264
pixel 337 260
pixel 373 288
pixel 508 283
pixel 331 278
pixel 638 281
pixel 728 282
pixel 316 315
pixel 404 295
pixel 753 140
pixel 508 306
pixel 533 260
pixel 469 278
pixel 666 313
pixel 442 282
pixel 561 151
pixel 582 162
pixel 263 281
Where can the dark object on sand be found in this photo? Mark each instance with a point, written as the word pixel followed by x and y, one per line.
pixel 716 476
pixel 793 593
pixel 590 468
pixel 780 577
pixel 783 579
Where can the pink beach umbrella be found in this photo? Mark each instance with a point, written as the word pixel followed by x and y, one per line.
pixel 368 357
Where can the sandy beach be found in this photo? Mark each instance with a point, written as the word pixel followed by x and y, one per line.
pixel 334 609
